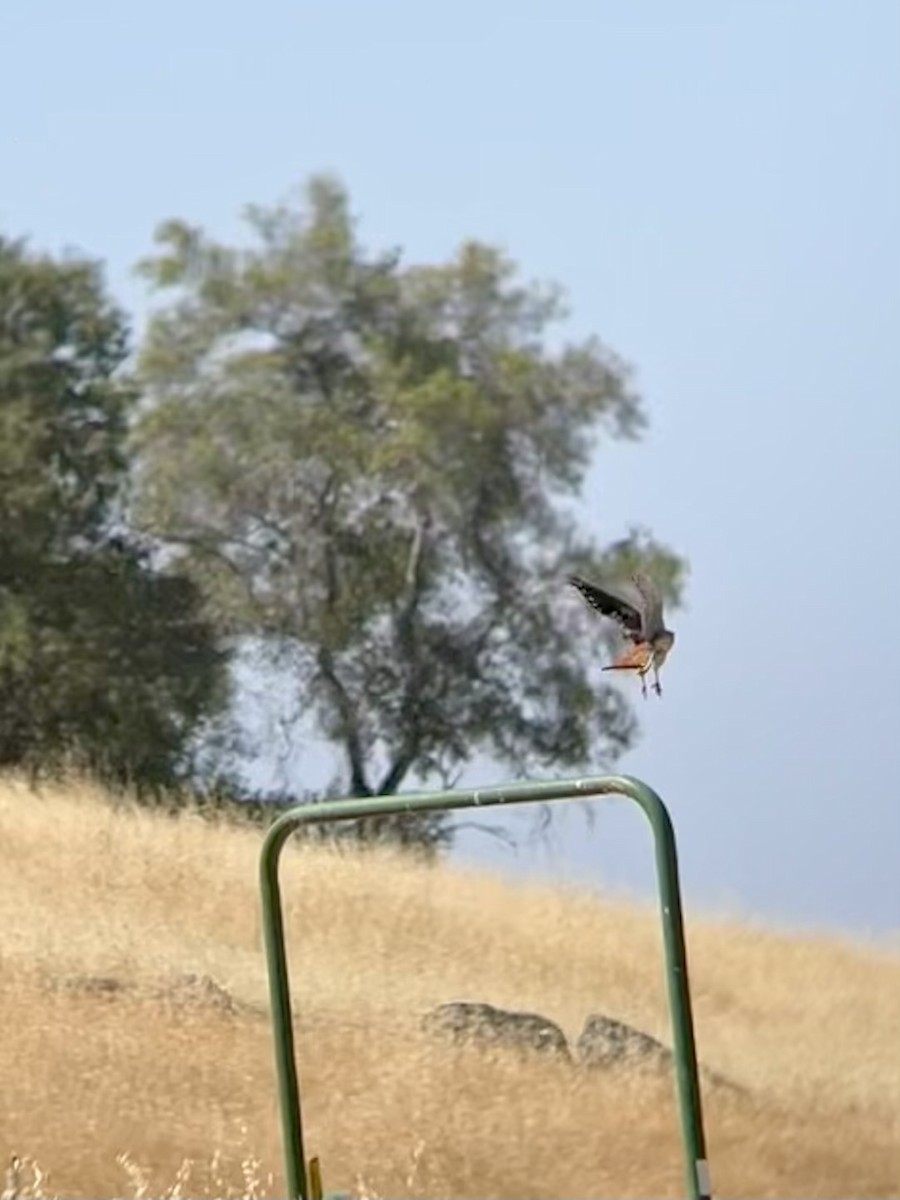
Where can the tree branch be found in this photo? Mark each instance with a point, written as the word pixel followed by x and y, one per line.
pixel 359 784
pixel 409 649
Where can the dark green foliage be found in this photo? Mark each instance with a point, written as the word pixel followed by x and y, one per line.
pixel 105 663
pixel 62 410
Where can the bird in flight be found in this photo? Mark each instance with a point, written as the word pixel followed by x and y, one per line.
pixel 641 621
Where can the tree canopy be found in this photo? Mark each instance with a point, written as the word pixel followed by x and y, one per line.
pixel 365 466
pixel 105 662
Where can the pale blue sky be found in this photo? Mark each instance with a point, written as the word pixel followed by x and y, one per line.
pixel 718 186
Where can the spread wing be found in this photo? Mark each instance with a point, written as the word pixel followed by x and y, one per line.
pixel 653 607
pixel 611 605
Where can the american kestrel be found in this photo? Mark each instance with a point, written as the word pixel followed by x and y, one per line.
pixel 642 622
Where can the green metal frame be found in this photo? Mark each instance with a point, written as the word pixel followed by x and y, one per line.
pixel 688 1086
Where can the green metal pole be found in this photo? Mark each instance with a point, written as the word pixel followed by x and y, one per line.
pixel 282 1018
pixel 684 1046
pixel 688 1086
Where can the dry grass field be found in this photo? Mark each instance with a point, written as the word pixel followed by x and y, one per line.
pixel 119 1078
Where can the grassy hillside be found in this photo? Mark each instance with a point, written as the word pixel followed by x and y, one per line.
pixel 115 1071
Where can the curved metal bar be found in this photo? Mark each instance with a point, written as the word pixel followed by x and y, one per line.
pixel 688 1086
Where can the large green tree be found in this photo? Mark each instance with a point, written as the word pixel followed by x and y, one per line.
pixel 105 662
pixel 365 465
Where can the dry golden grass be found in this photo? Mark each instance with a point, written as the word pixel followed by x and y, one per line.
pixel 810 1026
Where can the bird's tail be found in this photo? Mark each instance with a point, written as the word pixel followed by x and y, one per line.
pixel 637 658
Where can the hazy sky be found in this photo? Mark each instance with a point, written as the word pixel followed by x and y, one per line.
pixel 718 187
